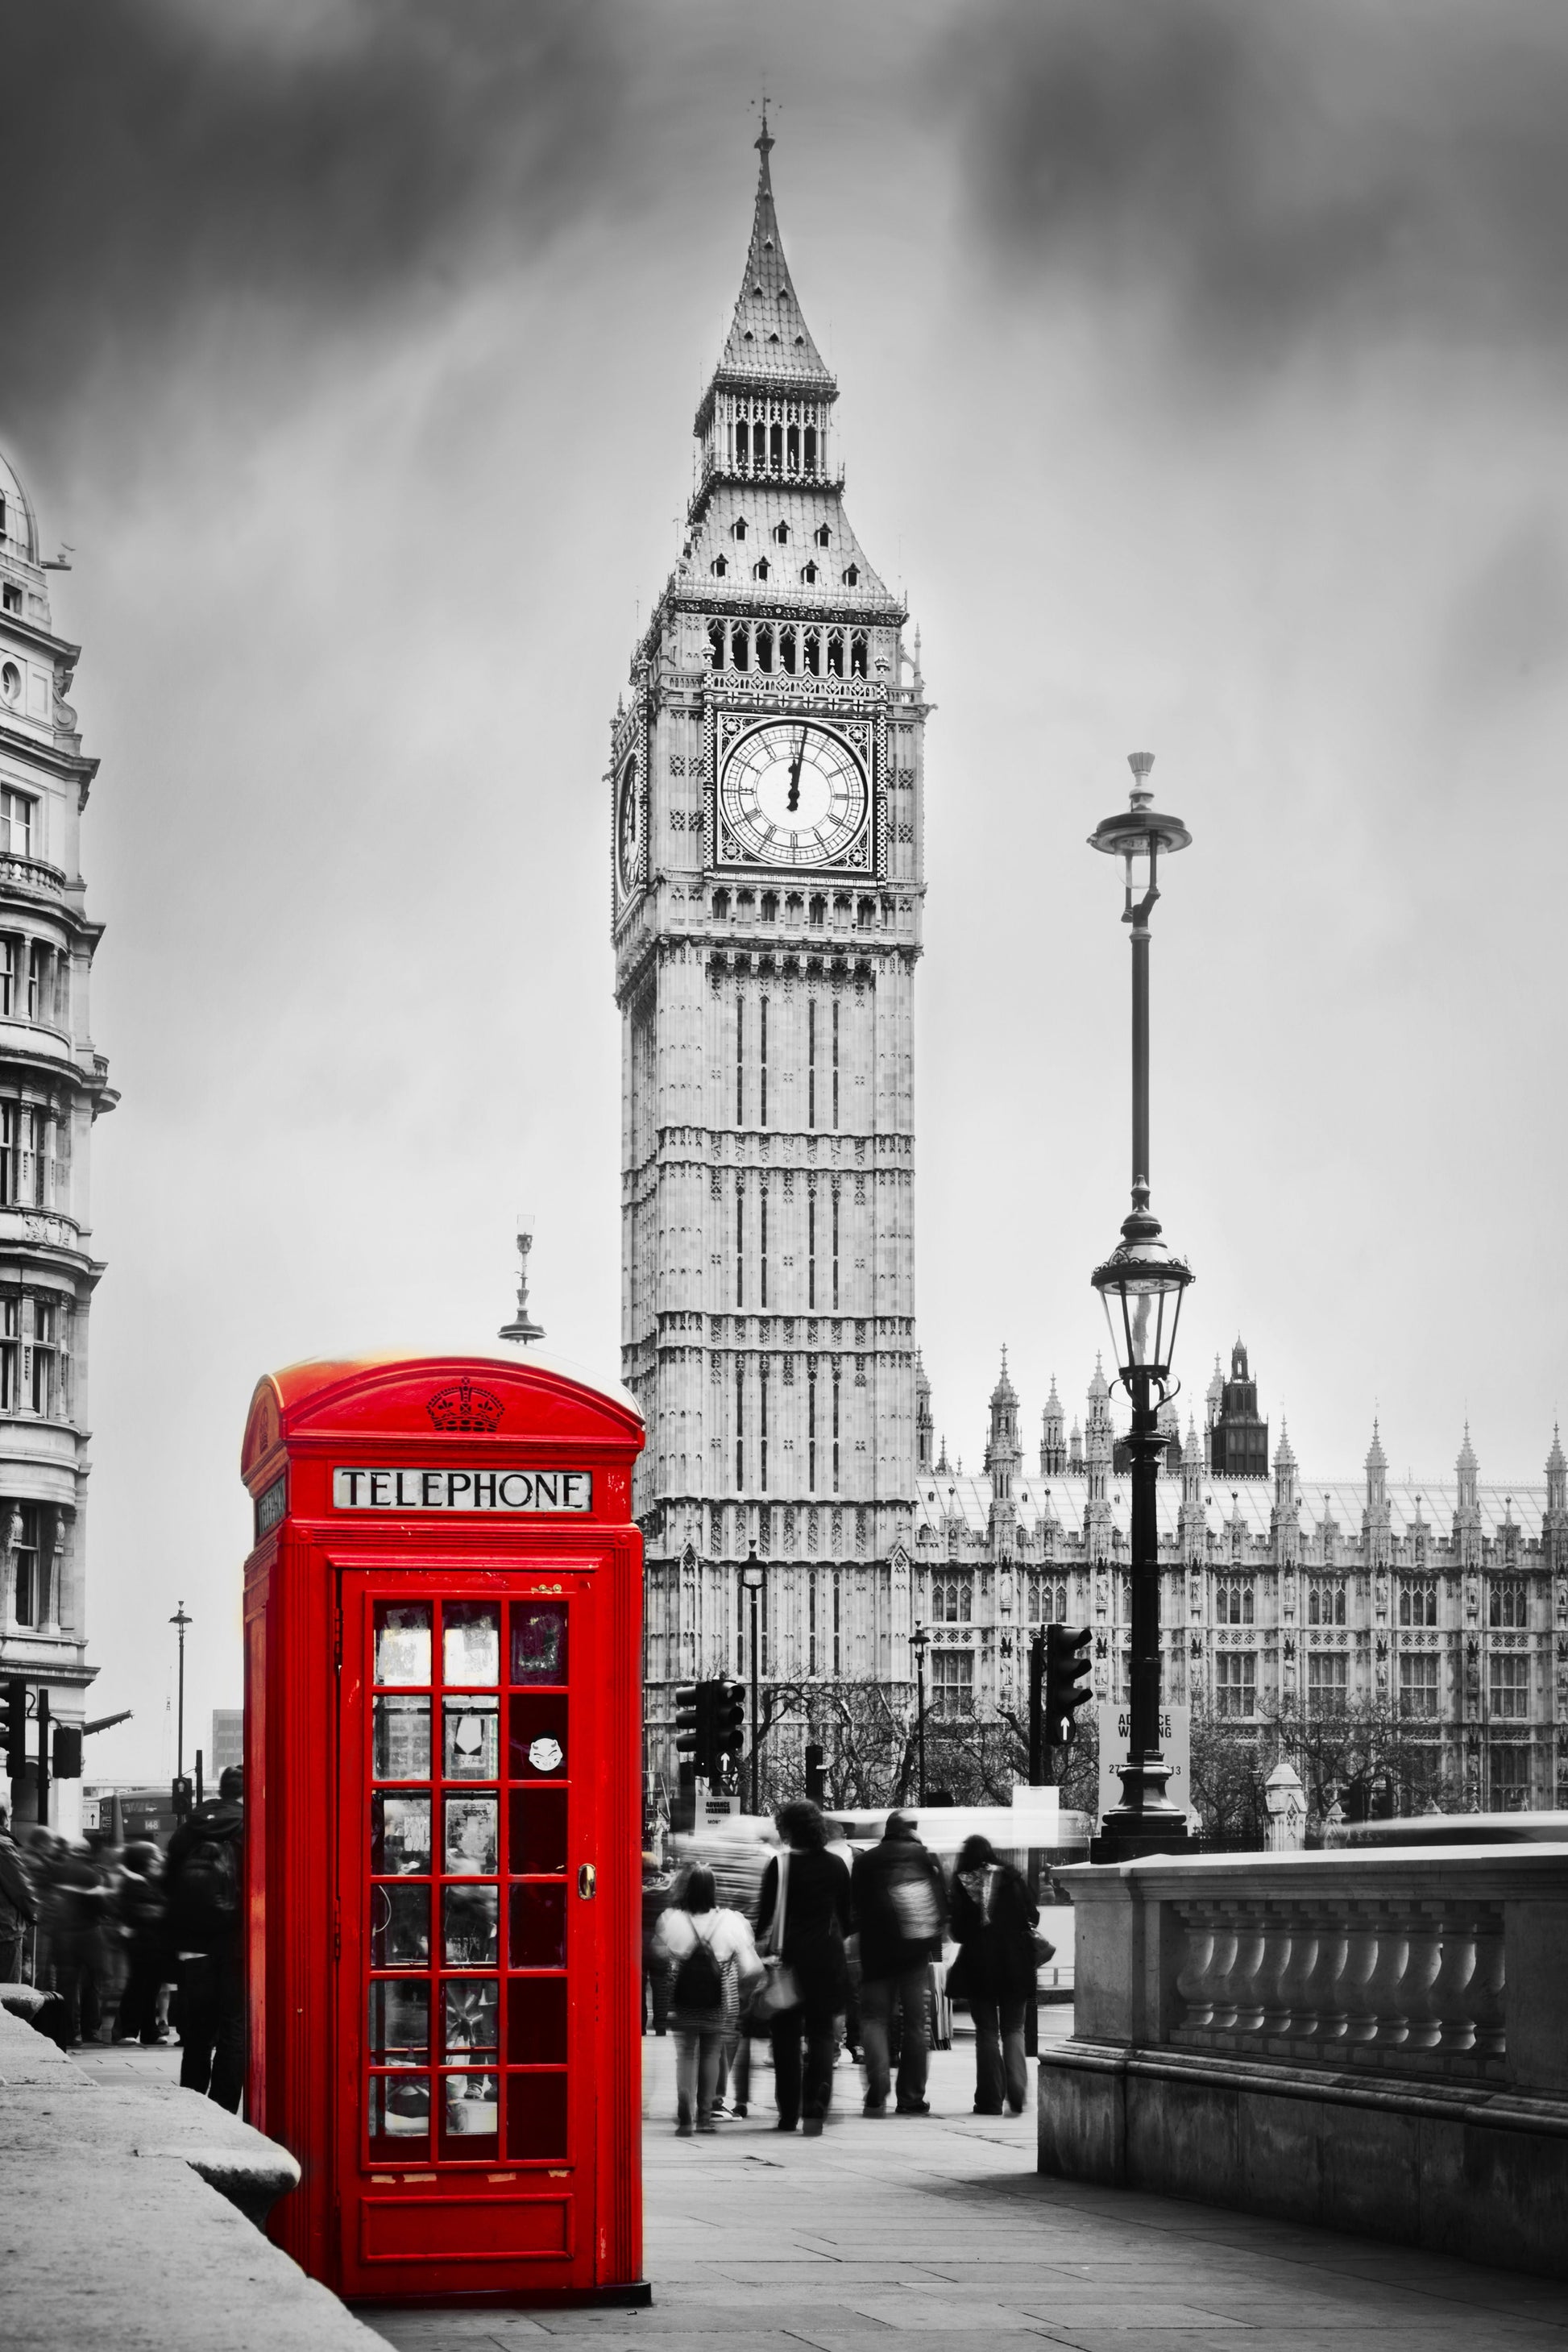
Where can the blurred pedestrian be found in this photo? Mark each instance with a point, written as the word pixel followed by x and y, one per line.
pixel 655 1893
pixel 72 1907
pixel 18 1904
pixel 898 1898
pixel 713 1963
pixel 802 1913
pixel 993 1918
pixel 205 1881
pixel 142 1909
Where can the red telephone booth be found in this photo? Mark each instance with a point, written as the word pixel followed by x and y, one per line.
pixel 443 1621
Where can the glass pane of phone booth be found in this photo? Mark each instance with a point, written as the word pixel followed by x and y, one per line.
pixel 468 1748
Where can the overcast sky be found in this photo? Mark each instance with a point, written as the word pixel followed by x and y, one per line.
pixel 1203 374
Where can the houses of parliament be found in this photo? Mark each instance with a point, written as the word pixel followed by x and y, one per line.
pixel 765 805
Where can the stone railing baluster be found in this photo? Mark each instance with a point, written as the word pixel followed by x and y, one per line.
pixel 1483 1995
pixel 1456 2029
pixel 1360 1973
pixel 1300 2020
pixel 1222 1971
pixel 1194 1984
pixel 1285 1932
pixel 1252 1944
pixel 1333 1952
pixel 1422 1964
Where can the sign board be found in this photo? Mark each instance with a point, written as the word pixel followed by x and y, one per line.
pixel 462 1490
pixel 713 1811
pixel 1115 1725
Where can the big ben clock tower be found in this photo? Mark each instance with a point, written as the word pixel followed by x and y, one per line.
pixel 766 808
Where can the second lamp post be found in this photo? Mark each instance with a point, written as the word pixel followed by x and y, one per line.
pixel 1141 1285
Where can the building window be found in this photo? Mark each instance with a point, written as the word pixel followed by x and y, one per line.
pixel 1048 1602
pixel 1328 1680
pixel 45 1357
pixel 10 951
pixel 1418 1684
pixel 1509 1675
pixel 760 571
pixel 1235 1682
pixel 809 573
pixel 1506 1602
pixel 737 528
pixel 31 1599
pixel 780 533
pixel 1418 1600
pixel 952 1601
pixel 1326 1600
pixel 38 990
pixel 16 823
pixel 1234 1601
pixel 1510 1778
pixel 951 1682
pixel 718 567
pixel 852 575
pixel 823 535
pixel 11 1356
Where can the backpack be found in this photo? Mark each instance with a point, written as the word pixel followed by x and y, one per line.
pixel 698 1987
pixel 209 1886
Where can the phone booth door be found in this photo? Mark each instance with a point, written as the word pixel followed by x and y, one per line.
pixel 468 1930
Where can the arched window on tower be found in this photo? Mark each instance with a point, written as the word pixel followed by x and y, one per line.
pixel 776 442
pixel 811 449
pixel 739 647
pixel 760 568
pixel 759 445
pixel 836 653
pixel 781 534
pixel 823 536
pixel 857 654
pixel 716 645
pixel 718 567
pixel 809 573
pixel 811 651
pixel 742 442
pixel 764 636
pixel 792 447
pixel 852 575
pixel 737 528
pixel 787 652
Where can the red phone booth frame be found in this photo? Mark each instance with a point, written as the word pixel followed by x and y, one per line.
pixel 487 1503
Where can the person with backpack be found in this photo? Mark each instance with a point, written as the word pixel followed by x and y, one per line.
pixel 899 1906
pixel 712 1959
pixel 205 1883
pixel 993 1918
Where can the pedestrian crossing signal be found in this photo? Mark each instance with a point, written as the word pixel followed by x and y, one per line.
pixel 13 1726
pixel 729 1719
pixel 1067 1668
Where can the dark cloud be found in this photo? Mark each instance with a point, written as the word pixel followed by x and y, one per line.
pixel 1268 175
pixel 162 162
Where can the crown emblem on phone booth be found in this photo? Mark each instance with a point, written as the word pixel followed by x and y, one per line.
pixel 463 1406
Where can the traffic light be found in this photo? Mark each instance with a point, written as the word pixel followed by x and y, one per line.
pixel 65 1757
pixel 14 1724
pixel 689 1711
pixel 1067 1681
pixel 729 1723
pixel 815 1776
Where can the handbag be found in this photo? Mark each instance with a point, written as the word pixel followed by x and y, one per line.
pixel 779 1990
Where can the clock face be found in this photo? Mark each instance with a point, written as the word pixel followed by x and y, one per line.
pixel 629 829
pixel 792 793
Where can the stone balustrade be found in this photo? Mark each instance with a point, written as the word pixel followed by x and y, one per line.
pixel 1377 2039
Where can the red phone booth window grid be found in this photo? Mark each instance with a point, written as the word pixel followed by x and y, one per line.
pixel 472 1746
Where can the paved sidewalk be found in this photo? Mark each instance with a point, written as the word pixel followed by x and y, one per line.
pixel 941 2228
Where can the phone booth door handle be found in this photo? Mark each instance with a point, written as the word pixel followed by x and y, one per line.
pixel 587 1879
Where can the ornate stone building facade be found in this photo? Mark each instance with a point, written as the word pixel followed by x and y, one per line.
pixel 53 1085
pixel 765 786
pixel 1444 1599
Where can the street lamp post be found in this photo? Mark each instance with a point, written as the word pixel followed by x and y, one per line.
pixel 182 1621
pixel 751 1577
pixel 1140 1286
pixel 919 1641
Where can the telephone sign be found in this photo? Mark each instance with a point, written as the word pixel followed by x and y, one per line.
pixel 443 1637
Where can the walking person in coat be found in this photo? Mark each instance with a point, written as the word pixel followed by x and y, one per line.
pixel 897 1899
pixel 18 1904
pixel 713 1962
pixel 205 1881
pixel 143 1913
pixel 810 1888
pixel 994 1917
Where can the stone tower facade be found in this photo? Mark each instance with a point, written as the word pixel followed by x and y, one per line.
pixel 53 1085
pixel 766 789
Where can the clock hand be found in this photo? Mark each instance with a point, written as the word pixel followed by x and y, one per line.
pixel 794 802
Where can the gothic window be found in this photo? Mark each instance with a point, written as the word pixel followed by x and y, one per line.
pixel 780 533
pixel 1418 1684
pixel 770 911
pixel 716 642
pixel 866 914
pixel 852 575
pixel 1509 1680
pixel 1326 1600
pixel 759 443
pixel 952 1601
pixel 742 443
pixel 1234 1600
pixel 776 436
pixel 811 448
pixel 787 652
pixel 1418 1600
pixel 823 536
pixel 739 647
pixel 792 440
pixel 1506 1602
pixel 809 573
pixel 811 651
pixel 1328 1680
pixel 760 571
pixel 764 634
pixel 737 528
pixel 818 913
pixel 858 652
pixel 1046 1602
pixel 1235 1682
pixel 1510 1778
pixel 951 1682
pixel 718 567
pixel 720 905
pixel 836 653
